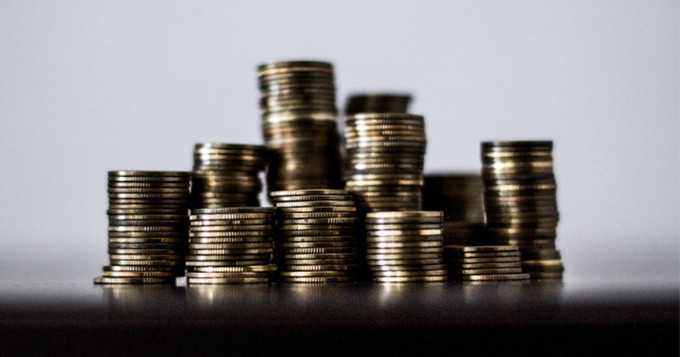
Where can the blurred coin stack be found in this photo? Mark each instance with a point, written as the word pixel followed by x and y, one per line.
pixel 459 196
pixel 377 103
pixel 299 118
pixel 405 246
pixel 227 175
pixel 384 164
pixel 520 202
pixel 316 238
pixel 484 263
pixel 230 245
pixel 148 222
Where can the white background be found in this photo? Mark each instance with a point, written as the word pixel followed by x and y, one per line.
pixel 91 86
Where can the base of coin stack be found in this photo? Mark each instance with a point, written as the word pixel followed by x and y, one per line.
pixel 316 236
pixel 148 225
pixel 405 246
pixel 230 245
pixel 486 263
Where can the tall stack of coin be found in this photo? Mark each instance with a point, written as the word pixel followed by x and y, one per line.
pixel 405 246
pixel 520 202
pixel 459 196
pixel 384 164
pixel 316 236
pixel 230 245
pixel 148 222
pixel 484 263
pixel 227 175
pixel 377 103
pixel 300 125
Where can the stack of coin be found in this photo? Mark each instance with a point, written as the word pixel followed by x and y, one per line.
pixel 405 246
pixel 227 175
pixel 230 245
pixel 148 222
pixel 377 103
pixel 300 125
pixel 384 164
pixel 520 202
pixel 316 239
pixel 484 263
pixel 459 196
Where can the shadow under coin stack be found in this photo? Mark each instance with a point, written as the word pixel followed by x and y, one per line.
pixel 459 196
pixel 227 175
pixel 385 157
pixel 377 103
pixel 316 238
pixel 484 263
pixel 231 245
pixel 148 223
pixel 299 118
pixel 405 246
pixel 520 202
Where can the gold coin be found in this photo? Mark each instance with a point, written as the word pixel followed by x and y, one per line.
pixel 135 280
pixel 495 277
pixel 409 279
pixel 236 269
pixel 237 280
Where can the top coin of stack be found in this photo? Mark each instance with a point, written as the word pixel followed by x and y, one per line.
pixel 148 225
pixel 377 103
pixel 227 175
pixel 520 202
pixel 385 156
pixel 300 125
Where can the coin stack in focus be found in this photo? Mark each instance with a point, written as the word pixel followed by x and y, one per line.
pixel 148 222
pixel 377 103
pixel 484 263
pixel 405 246
pixel 316 238
pixel 385 157
pixel 459 196
pixel 520 202
pixel 230 245
pixel 299 118
pixel 227 175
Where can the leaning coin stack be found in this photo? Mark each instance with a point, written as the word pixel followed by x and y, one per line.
pixel 230 245
pixel 377 103
pixel 227 175
pixel 384 164
pixel 405 246
pixel 316 238
pixel 520 202
pixel 148 222
pixel 300 125
pixel 459 196
pixel 484 263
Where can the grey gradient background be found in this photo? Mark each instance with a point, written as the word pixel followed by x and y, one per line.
pixel 91 86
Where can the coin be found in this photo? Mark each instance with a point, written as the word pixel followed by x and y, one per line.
pixel 133 280
pixel 236 280
pixel 237 269
pixel 496 277
pixel 409 279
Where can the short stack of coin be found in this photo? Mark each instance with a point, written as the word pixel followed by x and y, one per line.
pixel 384 163
pixel 484 263
pixel 377 103
pixel 299 120
pixel 405 246
pixel 230 245
pixel 520 202
pixel 227 175
pixel 316 238
pixel 148 222
pixel 459 196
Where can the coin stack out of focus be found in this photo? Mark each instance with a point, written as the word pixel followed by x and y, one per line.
pixel 520 202
pixel 459 196
pixel 316 239
pixel 484 263
pixel 230 245
pixel 299 120
pixel 405 246
pixel 385 157
pixel 377 103
pixel 148 225
pixel 227 175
